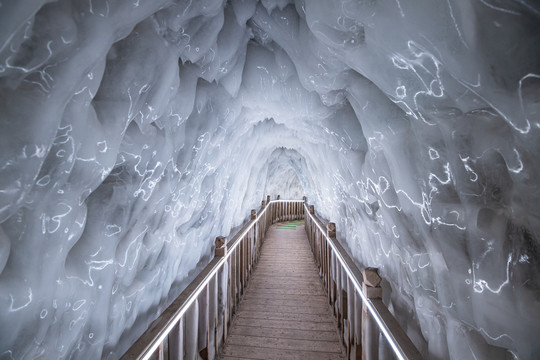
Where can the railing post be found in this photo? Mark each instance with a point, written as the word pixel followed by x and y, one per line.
pixel 220 293
pixel 252 248
pixel 261 229
pixel 221 246
pixel 330 229
pixel 278 209
pixel 370 331
pixel 332 285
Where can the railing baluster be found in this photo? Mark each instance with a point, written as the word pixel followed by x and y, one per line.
pixel 346 314
pixel 191 331
pixel 228 299
pixel 339 298
pixel 332 280
pixel 240 261
pixel 203 324
pixel 351 319
pixel 357 326
pixel 175 340
pixel 243 266
pixel 212 318
pixel 246 262
pixel 288 211
pixel 236 277
pixel 344 306
pixel 370 330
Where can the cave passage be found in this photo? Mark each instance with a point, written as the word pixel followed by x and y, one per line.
pixel 133 133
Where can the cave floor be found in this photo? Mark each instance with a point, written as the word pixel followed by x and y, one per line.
pixel 284 313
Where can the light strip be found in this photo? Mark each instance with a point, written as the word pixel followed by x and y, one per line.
pixel 382 326
pixel 205 282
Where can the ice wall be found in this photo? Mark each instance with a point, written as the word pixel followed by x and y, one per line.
pixel 134 132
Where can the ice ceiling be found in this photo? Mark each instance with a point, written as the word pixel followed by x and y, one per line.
pixel 134 132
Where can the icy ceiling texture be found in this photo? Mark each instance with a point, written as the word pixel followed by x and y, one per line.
pixel 134 132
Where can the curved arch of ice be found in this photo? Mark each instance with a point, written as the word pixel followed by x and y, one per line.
pixel 134 132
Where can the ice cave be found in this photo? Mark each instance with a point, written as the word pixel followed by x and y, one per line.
pixel 133 132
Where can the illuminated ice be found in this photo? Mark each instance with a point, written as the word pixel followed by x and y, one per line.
pixel 132 133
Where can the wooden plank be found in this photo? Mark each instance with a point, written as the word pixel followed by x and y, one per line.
pixel 286 263
pixel 265 301
pixel 285 344
pixel 299 292
pixel 281 296
pixel 276 264
pixel 312 309
pixel 274 316
pixel 290 255
pixel 289 259
pixel 248 352
pixel 330 325
pixel 277 254
pixel 280 333
pixel 276 287
pixel 290 273
pixel 289 282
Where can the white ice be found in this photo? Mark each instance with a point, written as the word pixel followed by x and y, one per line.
pixel 132 133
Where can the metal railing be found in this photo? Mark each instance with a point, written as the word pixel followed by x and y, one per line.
pixel 197 321
pixel 356 298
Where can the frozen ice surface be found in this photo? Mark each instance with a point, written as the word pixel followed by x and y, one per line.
pixel 134 132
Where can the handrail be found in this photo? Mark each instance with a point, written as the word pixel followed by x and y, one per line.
pixel 234 261
pixel 370 295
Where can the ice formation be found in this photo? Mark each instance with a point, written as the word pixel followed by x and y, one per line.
pixel 134 132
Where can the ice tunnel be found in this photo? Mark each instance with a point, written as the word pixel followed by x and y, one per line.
pixel 133 132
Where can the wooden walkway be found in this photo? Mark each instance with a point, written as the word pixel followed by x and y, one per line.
pixel 284 313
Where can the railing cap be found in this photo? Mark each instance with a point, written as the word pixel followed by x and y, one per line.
pixel 221 246
pixel 371 277
pixel 331 229
pixel 221 241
